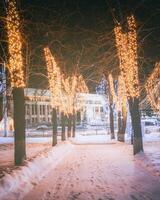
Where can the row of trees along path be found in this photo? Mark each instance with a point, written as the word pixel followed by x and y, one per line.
pixel 64 88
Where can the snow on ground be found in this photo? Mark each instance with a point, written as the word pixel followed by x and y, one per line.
pixel 150 159
pixel 16 178
pixel 10 140
pixel 155 136
pixel 88 138
pixel 7 155
pixel 6 140
pixel 97 172
pixel 21 180
pixel 33 148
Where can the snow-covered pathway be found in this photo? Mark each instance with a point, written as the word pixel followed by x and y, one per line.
pixel 98 172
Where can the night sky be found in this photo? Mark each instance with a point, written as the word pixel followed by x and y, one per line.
pixel 80 33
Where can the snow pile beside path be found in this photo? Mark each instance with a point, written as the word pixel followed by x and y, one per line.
pixel 152 137
pixel 22 180
pixel 149 160
pixel 92 139
pixel 6 140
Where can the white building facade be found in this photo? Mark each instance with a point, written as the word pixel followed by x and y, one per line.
pixel 93 108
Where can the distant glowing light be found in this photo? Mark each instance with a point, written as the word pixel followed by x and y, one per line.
pixel 73 85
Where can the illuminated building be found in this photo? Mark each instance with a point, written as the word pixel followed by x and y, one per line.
pixel 38 107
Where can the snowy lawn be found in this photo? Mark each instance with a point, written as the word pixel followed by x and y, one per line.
pixel 23 178
pixel 34 147
pixel 150 159
pixel 10 140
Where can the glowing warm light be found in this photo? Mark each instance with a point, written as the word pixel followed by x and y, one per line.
pixel 54 77
pixel 121 99
pixel 73 85
pixel 81 88
pixel 152 87
pixel 111 85
pixel 126 44
pixel 81 85
pixel 63 89
pixel 69 95
pixel 15 64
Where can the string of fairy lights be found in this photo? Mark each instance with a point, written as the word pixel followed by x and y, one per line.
pixel 63 89
pixel 54 78
pixel 69 85
pixel 112 90
pixel 122 99
pixel 126 44
pixel 119 99
pixel 15 63
pixel 73 85
pixel 152 87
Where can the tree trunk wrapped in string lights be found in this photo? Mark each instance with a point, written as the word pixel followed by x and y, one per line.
pixel 122 108
pixel 63 90
pixel 54 77
pixel 127 51
pixel 80 88
pixel 15 66
pixel 120 102
pixel 152 87
pixel 63 124
pixel 71 86
pixel 112 100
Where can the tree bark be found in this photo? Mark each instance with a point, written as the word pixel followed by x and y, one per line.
pixel 136 125
pixel 74 124
pixel 111 121
pixel 69 125
pixel 54 124
pixel 119 126
pixel 111 114
pixel 1 107
pixel 63 124
pixel 19 126
pixel 124 122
